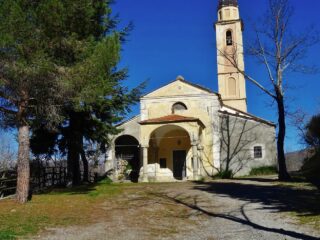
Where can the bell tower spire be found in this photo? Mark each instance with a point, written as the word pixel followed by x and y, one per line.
pixel 229 28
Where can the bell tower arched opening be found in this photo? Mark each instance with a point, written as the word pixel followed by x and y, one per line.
pixel 231 82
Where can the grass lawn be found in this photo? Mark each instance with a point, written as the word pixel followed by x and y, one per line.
pixel 299 183
pixel 313 217
pixel 84 206
pixel 89 205
pixel 313 221
pixel 57 208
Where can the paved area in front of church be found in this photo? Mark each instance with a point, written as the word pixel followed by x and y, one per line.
pixel 244 209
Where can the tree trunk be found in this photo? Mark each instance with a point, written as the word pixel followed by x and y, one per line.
pixel 228 146
pixel 85 166
pixel 283 173
pixel 70 161
pixel 23 181
pixel 74 146
pixel 73 162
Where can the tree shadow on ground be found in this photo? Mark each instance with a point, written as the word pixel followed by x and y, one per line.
pixel 79 190
pixel 272 197
pixel 74 190
pixel 244 220
pixel 257 179
pixel 279 198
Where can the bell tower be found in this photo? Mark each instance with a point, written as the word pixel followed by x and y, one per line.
pixel 229 28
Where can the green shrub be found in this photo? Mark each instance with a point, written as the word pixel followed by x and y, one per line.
pixel 105 180
pixel 311 169
pixel 267 170
pixel 7 235
pixel 224 174
pixel 128 168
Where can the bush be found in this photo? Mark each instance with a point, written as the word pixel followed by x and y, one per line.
pixel 311 169
pixel 267 170
pixel 312 132
pixel 105 180
pixel 224 174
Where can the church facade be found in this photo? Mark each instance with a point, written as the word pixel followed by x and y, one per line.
pixel 187 132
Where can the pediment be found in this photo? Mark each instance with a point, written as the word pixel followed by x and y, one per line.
pixel 179 88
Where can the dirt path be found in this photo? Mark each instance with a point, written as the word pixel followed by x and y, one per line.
pixel 222 210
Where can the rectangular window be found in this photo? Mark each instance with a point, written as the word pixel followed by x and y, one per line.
pixel 257 151
pixel 163 163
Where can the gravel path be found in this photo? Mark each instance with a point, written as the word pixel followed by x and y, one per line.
pixel 220 210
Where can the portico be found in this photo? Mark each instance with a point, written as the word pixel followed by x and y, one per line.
pixel 170 148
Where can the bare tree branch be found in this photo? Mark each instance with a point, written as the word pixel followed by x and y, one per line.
pixel 8 97
pixel 7 111
pixel 265 61
pixel 279 52
pixel 234 63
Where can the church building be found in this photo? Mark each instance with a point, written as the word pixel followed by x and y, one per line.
pixel 187 132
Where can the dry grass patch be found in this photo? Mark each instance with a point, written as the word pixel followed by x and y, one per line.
pixel 139 208
pixel 311 218
pixel 57 208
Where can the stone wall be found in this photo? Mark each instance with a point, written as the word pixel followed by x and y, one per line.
pixel 239 136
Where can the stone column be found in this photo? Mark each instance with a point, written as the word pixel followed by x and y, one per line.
pixel 195 160
pixel 201 160
pixel 111 162
pixel 156 162
pixel 145 164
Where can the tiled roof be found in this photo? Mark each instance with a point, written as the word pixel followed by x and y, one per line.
pixel 246 115
pixel 170 118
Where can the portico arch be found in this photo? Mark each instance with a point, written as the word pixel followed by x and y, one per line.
pixel 127 148
pixel 170 150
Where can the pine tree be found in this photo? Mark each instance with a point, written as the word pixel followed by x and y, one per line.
pixel 29 86
pixel 58 59
pixel 96 98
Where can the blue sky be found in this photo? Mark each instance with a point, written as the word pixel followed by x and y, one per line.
pixel 177 37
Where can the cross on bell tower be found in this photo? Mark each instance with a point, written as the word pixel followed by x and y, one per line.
pixel 229 27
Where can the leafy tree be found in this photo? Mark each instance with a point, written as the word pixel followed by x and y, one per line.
pixel 29 86
pixel 311 166
pixel 312 133
pixel 59 57
pixel 96 98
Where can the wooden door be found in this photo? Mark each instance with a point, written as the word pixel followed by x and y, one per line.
pixel 179 164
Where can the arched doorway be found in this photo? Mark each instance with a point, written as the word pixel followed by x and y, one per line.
pixel 127 148
pixel 170 147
